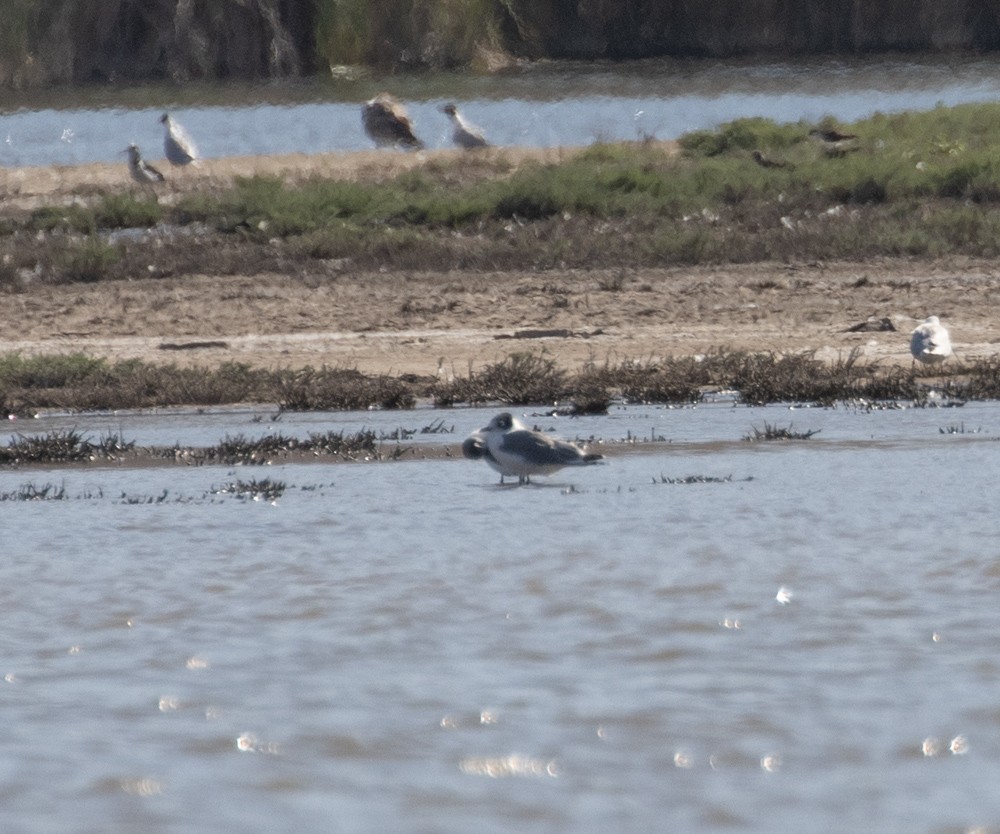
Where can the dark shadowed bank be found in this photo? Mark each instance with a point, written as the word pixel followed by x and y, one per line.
pixel 85 41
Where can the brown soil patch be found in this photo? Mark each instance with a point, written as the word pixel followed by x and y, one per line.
pixel 383 322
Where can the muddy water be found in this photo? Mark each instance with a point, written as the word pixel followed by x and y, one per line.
pixel 544 106
pixel 809 645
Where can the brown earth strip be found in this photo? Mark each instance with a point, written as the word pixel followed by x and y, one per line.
pixel 445 323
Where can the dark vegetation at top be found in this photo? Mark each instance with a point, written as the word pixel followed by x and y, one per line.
pixel 86 41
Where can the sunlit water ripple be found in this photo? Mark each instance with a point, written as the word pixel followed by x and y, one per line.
pixel 808 646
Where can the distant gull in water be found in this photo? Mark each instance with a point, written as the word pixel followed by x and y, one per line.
pixel 177 145
pixel 517 450
pixel 464 133
pixel 142 172
pixel 387 124
pixel 930 342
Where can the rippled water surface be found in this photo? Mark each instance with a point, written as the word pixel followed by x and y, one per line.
pixel 806 641
pixel 544 106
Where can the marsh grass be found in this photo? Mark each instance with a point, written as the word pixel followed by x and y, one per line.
pixel 31 492
pixel 88 261
pixel 330 389
pixel 78 382
pixel 71 446
pixel 253 490
pixel 62 447
pixel 519 379
pixel 775 432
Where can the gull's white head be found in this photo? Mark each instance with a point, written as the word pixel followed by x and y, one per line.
pixel 502 423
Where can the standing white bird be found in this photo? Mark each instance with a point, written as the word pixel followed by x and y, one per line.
pixel 520 451
pixel 142 172
pixel 930 342
pixel 178 146
pixel 464 133
pixel 386 122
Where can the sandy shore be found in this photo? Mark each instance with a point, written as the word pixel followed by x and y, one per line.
pixel 384 322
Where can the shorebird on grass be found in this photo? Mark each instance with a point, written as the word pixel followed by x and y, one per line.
pixel 142 172
pixel 834 142
pixel 178 146
pixel 517 450
pixel 930 342
pixel 386 122
pixel 766 161
pixel 464 133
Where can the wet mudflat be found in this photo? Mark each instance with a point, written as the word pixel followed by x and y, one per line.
pixel 704 634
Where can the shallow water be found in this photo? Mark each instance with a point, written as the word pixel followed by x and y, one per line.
pixel 548 105
pixel 410 647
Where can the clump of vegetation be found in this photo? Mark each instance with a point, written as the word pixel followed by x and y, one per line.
pixel 763 378
pixel 89 261
pixel 694 479
pixel 669 380
pixel 333 389
pixel 78 382
pixel 253 490
pixel 983 381
pixel 30 492
pixel 774 432
pixel 72 446
pixel 61 447
pixel 520 379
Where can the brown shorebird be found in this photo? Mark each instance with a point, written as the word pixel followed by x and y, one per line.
pixel 831 135
pixel 834 142
pixel 930 342
pixel 464 133
pixel 142 172
pixel 386 122
pixel 766 162
pixel 177 145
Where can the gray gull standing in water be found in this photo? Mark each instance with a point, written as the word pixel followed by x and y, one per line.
pixel 517 450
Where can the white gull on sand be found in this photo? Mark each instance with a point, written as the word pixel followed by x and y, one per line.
pixel 177 145
pixel 930 342
pixel 517 450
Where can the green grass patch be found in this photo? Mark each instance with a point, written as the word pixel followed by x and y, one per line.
pixel 914 184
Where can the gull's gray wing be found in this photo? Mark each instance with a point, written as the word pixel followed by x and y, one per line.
pixel 540 450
